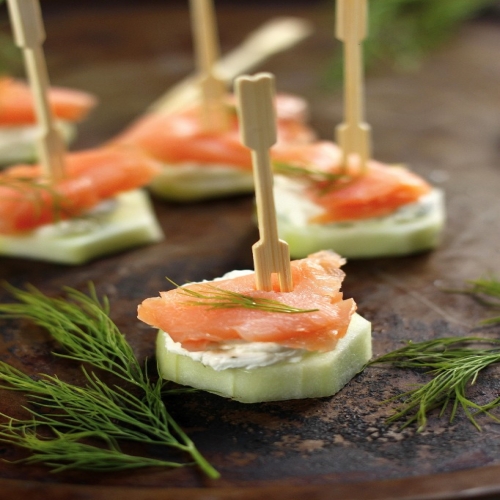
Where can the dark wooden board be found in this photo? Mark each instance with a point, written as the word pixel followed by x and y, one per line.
pixel 443 120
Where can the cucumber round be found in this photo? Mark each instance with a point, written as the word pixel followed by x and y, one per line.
pixel 18 144
pixel 316 375
pixel 190 182
pixel 411 229
pixel 129 223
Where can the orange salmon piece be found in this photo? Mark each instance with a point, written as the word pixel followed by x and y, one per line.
pixel 23 208
pixel 26 201
pixel 378 192
pixel 317 280
pixel 179 137
pixel 17 106
pixel 112 170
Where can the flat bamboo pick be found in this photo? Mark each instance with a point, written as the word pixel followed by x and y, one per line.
pixel 213 90
pixel 258 132
pixel 354 135
pixel 272 37
pixel 29 35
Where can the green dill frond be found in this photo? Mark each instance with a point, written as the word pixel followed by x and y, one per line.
pixel 103 412
pixel 326 181
pixel 65 451
pixel 214 297
pixel 39 194
pixel 454 364
pixel 486 291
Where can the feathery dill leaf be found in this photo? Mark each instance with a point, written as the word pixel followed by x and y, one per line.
pixel 41 194
pixel 218 298
pixel 96 411
pixel 486 291
pixel 328 179
pixel 454 364
pixel 55 451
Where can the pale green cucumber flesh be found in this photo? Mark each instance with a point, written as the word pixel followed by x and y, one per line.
pixel 18 144
pixel 131 223
pixel 186 184
pixel 316 375
pixel 366 239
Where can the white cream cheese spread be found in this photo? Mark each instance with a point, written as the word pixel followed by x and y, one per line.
pixel 82 224
pixel 238 354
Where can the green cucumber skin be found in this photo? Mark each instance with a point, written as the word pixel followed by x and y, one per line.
pixel 131 224
pixel 373 239
pixel 180 184
pixel 316 375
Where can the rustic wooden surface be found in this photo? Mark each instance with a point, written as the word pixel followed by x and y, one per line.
pixel 443 120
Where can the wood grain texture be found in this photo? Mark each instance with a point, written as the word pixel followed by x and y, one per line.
pixel 441 120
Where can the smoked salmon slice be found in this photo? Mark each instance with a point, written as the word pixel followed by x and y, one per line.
pixel 378 192
pixel 317 280
pixel 17 107
pixel 27 201
pixel 179 137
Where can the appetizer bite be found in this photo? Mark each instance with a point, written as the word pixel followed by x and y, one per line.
pixel 95 209
pixel 251 345
pixel 200 164
pixel 199 147
pixel 377 211
pixel 18 128
pixel 283 332
pixel 338 197
pixel 72 207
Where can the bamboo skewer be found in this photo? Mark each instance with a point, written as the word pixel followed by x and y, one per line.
pixel 354 135
pixel 213 90
pixel 258 132
pixel 273 36
pixel 29 35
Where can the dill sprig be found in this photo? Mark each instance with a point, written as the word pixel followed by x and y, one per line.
pixel 486 291
pixel 454 364
pixel 35 192
pixel 214 297
pixel 55 450
pixel 328 180
pixel 77 416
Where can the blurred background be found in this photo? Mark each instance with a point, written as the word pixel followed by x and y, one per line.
pixel 401 32
pixel 129 52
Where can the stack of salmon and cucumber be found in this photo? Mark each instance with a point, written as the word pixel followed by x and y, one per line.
pixel 94 209
pixel 385 210
pixel 230 336
pixel 225 336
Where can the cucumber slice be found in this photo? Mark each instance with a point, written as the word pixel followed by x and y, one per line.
pixel 413 228
pixel 128 223
pixel 316 375
pixel 18 144
pixel 190 182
